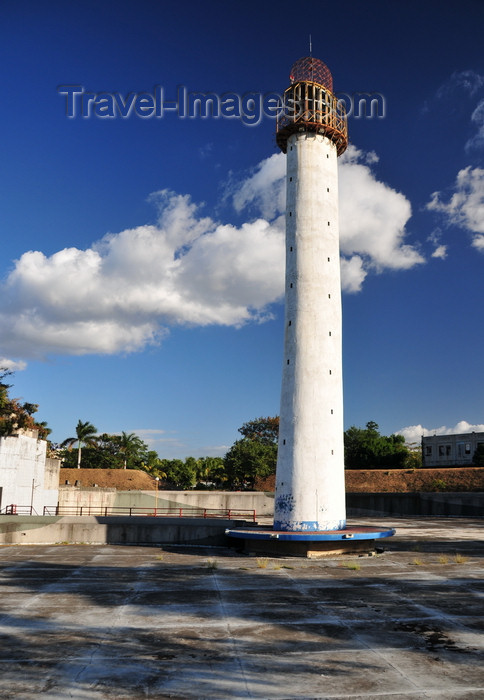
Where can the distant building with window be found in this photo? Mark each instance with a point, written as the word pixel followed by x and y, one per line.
pixel 450 450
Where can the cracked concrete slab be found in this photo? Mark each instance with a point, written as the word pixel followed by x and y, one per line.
pixel 129 622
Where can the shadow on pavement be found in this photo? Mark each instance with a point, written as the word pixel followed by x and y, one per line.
pixel 128 622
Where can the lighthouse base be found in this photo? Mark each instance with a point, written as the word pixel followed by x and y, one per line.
pixel 356 539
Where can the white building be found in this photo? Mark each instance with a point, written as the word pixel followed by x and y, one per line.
pixel 28 478
pixel 450 450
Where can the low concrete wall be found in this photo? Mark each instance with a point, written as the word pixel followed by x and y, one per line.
pixel 199 531
pixel 78 497
pixel 262 503
pixel 464 505
pixel 371 504
pixel 114 530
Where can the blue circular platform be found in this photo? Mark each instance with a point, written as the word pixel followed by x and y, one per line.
pixel 355 532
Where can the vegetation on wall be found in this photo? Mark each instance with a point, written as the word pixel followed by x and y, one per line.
pixel 15 415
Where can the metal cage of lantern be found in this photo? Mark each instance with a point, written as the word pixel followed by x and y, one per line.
pixel 311 107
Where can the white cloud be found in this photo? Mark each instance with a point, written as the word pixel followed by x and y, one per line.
pixel 477 116
pixel 461 93
pixel 440 252
pixel 413 433
pixel 264 189
pixel 356 155
pixel 352 273
pixel 373 217
pixel 206 150
pixel 11 365
pixel 465 206
pixel 467 80
pixel 478 242
pixel 155 438
pixel 127 289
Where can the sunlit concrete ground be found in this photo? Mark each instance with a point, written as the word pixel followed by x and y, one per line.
pixel 148 622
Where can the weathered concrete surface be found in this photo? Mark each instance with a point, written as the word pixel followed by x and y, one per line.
pixel 139 622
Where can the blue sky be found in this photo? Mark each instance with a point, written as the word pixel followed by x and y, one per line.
pixel 141 265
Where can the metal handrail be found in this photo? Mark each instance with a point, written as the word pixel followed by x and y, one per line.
pixel 170 512
pixel 14 509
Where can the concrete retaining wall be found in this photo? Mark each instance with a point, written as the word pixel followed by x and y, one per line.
pixel 114 530
pixel 78 497
pixel 370 504
pixel 198 531
pixel 262 503
pixel 464 505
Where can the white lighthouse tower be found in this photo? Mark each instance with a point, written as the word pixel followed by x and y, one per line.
pixel 310 492
pixel 309 509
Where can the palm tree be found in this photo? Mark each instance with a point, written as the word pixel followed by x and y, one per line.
pixel 85 435
pixel 43 428
pixel 129 444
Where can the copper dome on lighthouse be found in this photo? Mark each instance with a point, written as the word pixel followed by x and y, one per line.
pixel 311 70
pixel 310 105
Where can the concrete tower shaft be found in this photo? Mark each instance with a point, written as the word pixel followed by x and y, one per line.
pixel 310 492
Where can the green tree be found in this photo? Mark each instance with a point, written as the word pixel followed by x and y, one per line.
pixel 180 474
pixel 367 449
pixel 152 464
pixel 264 430
pixel 413 459
pixel 247 460
pixel 210 472
pixel 92 458
pixel 7 414
pixel 113 452
pixel 44 430
pixel 15 415
pixel 354 441
pixel 103 454
pixel 131 447
pixel 255 455
pixel 85 435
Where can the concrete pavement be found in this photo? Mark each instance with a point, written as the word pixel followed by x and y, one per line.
pixel 124 622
